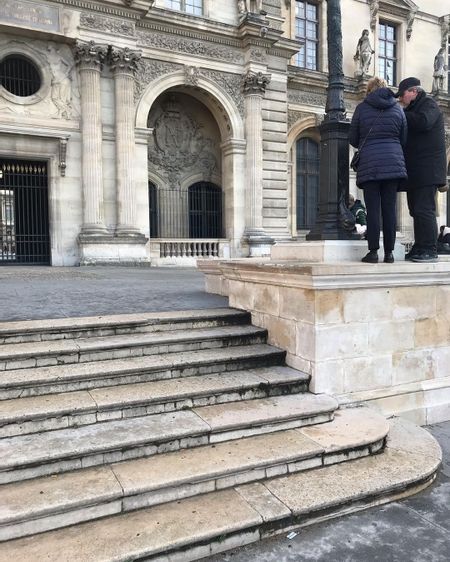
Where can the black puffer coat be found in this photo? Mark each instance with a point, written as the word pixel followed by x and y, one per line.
pixel 381 157
pixel 425 156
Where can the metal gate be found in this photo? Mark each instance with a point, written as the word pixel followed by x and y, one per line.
pixel 24 223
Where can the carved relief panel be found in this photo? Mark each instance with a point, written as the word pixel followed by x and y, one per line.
pixel 185 142
pixel 57 95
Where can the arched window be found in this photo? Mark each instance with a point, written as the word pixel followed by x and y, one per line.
pixel 205 211
pixel 307 180
pixel 153 209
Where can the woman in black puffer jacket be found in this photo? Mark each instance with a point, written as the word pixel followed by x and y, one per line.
pixel 379 128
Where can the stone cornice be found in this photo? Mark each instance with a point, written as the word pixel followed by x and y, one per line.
pixel 336 276
pixel 114 9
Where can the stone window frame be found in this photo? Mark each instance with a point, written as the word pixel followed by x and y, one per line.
pixel 395 41
pixel 21 49
pixel 319 40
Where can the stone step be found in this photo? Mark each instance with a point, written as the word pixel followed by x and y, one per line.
pixel 51 502
pixel 62 352
pixel 81 376
pixel 200 526
pixel 85 327
pixel 56 411
pixel 30 456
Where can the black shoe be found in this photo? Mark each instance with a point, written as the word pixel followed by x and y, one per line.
pixel 371 257
pixel 388 257
pixel 413 252
pixel 443 248
pixel 425 256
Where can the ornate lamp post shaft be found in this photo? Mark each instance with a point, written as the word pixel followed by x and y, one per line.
pixel 334 169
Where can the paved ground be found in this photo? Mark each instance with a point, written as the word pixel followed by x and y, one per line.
pixel 414 530
pixel 55 292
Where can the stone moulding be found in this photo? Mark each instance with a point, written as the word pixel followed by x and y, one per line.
pixel 189 46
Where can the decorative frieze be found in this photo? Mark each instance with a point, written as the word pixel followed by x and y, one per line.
pixel 294 116
pixel 307 98
pixel 109 25
pixel 191 75
pixel 258 55
pixel 230 83
pixel 255 82
pixel 189 46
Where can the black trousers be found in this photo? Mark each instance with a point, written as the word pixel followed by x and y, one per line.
pixel 381 194
pixel 422 208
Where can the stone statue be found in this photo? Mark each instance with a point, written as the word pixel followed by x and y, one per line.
pixel 61 92
pixel 363 54
pixel 439 71
pixel 250 6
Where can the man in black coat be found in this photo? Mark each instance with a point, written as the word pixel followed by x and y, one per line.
pixel 426 164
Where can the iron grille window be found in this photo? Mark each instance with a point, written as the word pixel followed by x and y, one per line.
pixel 307 29
pixel 308 161
pixel 189 6
pixel 205 211
pixel 153 209
pixel 387 53
pixel 19 76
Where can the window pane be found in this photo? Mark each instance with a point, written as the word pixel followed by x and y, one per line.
pixel 311 30
pixel 173 4
pixel 300 28
pixel 300 9
pixel 194 7
pixel 307 188
pixel 311 12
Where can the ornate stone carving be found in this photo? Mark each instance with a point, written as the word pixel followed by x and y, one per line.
pixel 363 56
pixel 445 29
pixel 191 75
pixel 409 22
pixel 89 55
pixel 149 70
pixel 230 83
pixel 294 116
pixel 439 71
pixel 255 82
pixel 189 46
pixel 250 6
pixel 258 55
pixel 61 83
pixel 124 60
pixel 62 155
pixel 179 144
pixel 374 7
pixel 306 98
pixel 111 25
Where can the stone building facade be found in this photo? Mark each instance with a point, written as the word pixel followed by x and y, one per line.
pixel 159 131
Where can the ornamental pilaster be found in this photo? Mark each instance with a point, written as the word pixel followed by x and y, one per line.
pixel 254 86
pixel 89 58
pixel 124 65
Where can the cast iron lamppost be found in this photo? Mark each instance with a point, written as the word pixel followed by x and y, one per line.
pixel 333 221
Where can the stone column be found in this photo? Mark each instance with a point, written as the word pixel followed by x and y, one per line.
pixel 123 65
pixel 254 87
pixel 89 58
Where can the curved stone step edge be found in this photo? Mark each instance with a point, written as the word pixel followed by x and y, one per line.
pixel 201 526
pixel 131 485
pixel 75 326
pixel 30 456
pixel 81 376
pixel 84 408
pixel 33 355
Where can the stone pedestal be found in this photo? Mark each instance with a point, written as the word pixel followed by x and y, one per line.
pixel 327 251
pixel 378 334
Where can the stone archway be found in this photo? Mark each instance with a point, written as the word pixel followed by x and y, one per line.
pixel 208 149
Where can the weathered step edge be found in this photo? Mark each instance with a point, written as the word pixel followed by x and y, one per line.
pixel 117 494
pixel 82 376
pixel 41 354
pixel 136 437
pixel 231 518
pixel 87 326
pixel 83 407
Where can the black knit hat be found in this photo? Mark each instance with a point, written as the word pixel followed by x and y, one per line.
pixel 406 84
